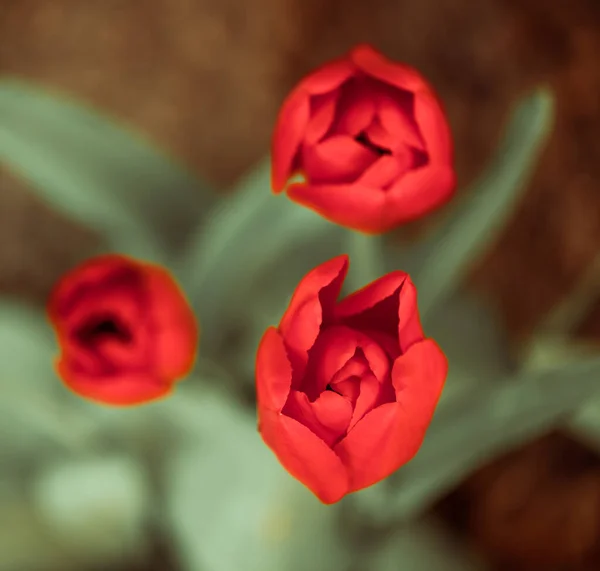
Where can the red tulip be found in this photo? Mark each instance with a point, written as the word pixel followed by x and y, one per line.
pixel 346 389
pixel 125 330
pixel 371 140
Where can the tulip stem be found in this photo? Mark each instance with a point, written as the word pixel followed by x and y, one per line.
pixel 366 259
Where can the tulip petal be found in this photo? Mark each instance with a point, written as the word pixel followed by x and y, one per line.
pixel 90 363
pixel 418 376
pixel 116 353
pixel 124 328
pixel 334 349
pixel 379 136
pixel 421 191
pixel 395 110
pixel 126 389
pixel 370 389
pixel 353 368
pixel 386 170
pixel 305 456
pixel 287 136
pixel 90 280
pixel 328 416
pixel 328 77
pixel 429 115
pixel 84 333
pixel 127 305
pixel 388 306
pixel 390 435
pixel 373 210
pixel 273 372
pixel 353 205
pixel 376 446
pixel 338 159
pixel 410 330
pixel 311 305
pixel 85 278
pixel 356 108
pixel 349 386
pixel 175 333
pixel 322 114
pixel 98 313
pixel 333 410
pixel 374 64
pixel 388 342
pixel 434 128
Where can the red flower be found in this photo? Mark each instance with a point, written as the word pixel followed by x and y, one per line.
pixel 347 389
pixel 125 331
pixel 371 140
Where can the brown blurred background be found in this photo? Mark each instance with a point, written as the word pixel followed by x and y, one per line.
pixel 204 78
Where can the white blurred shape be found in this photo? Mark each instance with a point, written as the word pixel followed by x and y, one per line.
pixel 95 508
pixel 232 506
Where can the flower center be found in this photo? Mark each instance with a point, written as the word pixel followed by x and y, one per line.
pixel 364 140
pixel 97 328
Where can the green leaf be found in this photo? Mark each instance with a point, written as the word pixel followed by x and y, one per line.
pixel 272 521
pixel 28 382
pixel 564 317
pixel 26 344
pixel 493 420
pixel 98 173
pixel 253 243
pixel 442 260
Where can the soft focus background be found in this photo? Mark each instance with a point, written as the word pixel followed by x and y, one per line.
pixel 202 81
